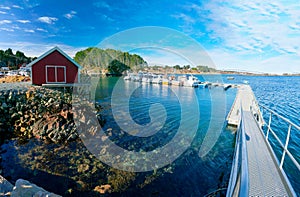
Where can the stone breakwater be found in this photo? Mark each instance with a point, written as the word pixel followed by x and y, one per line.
pixel 37 112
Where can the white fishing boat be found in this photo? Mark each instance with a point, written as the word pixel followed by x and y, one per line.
pixel 174 81
pixel 147 78
pixel 127 77
pixel 157 79
pixel 190 81
pixel 166 81
pixel 137 77
pixel 12 73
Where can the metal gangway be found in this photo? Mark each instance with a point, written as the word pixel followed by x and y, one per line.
pixel 255 170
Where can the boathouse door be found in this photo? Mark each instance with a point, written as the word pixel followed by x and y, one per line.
pixel 55 74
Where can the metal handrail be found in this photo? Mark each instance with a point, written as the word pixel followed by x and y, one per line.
pixel 283 146
pixel 244 189
pixel 239 177
pixel 281 117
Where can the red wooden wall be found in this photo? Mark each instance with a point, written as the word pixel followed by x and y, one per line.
pixel 53 59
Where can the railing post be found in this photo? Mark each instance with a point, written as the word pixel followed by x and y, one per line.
pixel 269 126
pixel 285 146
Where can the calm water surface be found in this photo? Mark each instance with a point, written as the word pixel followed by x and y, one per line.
pixel 282 95
pixel 189 174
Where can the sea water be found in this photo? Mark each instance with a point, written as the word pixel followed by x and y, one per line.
pixel 200 169
pixel 197 171
pixel 279 93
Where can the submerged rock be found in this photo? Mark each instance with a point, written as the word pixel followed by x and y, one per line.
pixel 25 188
pixel 83 168
pixel 103 189
pixel 5 186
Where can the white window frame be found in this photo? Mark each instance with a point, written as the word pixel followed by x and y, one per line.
pixel 55 68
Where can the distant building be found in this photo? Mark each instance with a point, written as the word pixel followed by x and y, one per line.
pixel 5 68
pixel 54 67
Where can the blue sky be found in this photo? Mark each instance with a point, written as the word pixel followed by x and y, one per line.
pixel 262 36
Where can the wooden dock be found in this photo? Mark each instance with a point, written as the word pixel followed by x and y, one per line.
pixel 264 176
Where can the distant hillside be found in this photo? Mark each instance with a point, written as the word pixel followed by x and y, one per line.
pixel 13 61
pixel 206 69
pixel 109 60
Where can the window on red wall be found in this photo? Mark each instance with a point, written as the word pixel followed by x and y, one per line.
pixel 55 74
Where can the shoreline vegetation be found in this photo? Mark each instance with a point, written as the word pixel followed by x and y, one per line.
pixel 96 61
pixel 221 73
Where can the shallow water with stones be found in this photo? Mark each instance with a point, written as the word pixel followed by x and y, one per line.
pixel 72 171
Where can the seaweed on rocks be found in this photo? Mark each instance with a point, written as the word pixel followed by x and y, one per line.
pixel 38 112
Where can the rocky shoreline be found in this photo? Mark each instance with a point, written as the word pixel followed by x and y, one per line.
pixel 37 112
pixel 40 143
pixel 40 113
pixel 33 112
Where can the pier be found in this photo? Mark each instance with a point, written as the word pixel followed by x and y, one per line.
pixel 255 170
pixel 188 81
pixel 247 98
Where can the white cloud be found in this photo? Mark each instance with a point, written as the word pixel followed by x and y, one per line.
pixel 6 29
pixel 5 22
pixel 5 7
pixel 23 21
pixel 17 6
pixel 105 17
pixel 1 12
pixel 102 4
pixel 47 19
pixel 247 29
pixel 252 27
pixel 283 63
pixel 29 30
pixel 185 18
pixel 188 22
pixel 37 49
pixel 15 27
pixel 70 14
pixel 40 29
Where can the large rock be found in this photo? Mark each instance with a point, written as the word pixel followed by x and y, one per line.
pixel 5 186
pixel 26 189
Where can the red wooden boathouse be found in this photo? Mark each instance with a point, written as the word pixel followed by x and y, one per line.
pixel 54 67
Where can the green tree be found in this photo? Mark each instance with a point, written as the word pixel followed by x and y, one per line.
pixel 186 67
pixel 177 67
pixel 117 67
pixel 8 58
pixel 9 52
pixel 98 58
